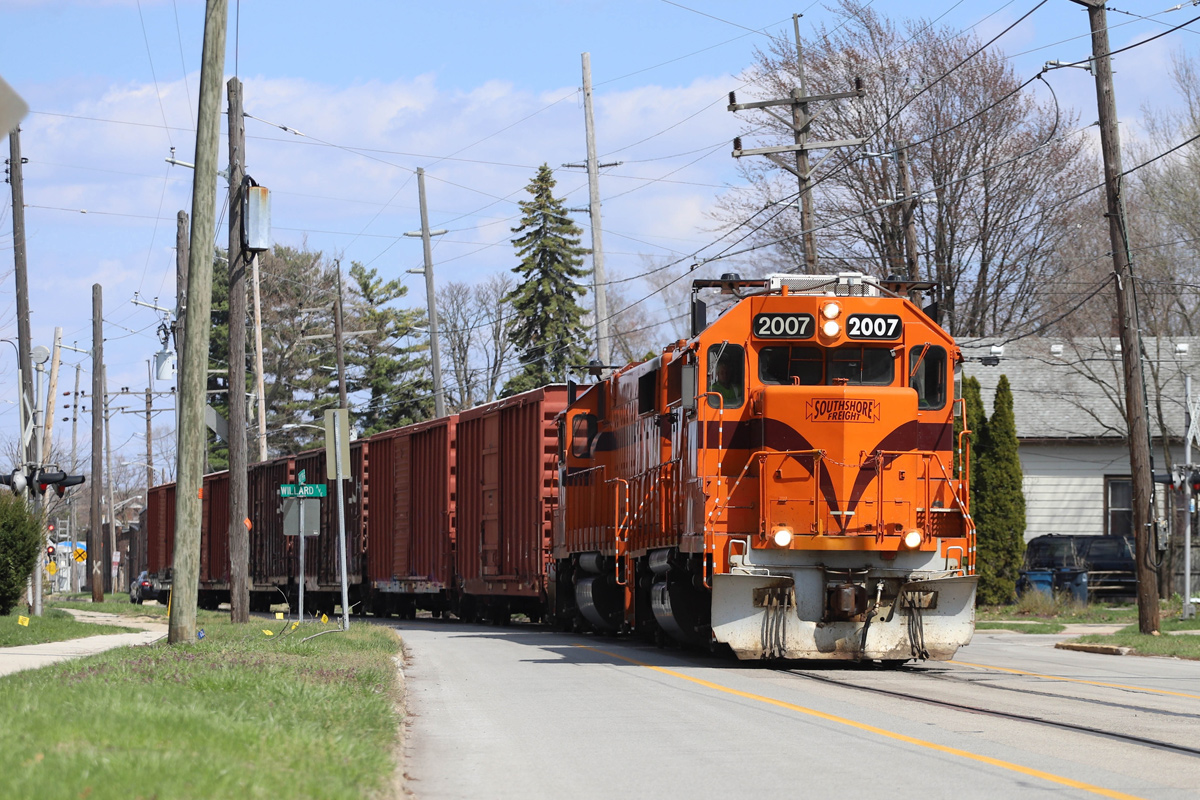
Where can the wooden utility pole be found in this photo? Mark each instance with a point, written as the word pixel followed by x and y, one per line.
pixel 801 120
pixel 95 534
pixel 338 333
pixel 51 393
pixel 1127 319
pixel 239 534
pixel 910 213
pixel 194 369
pixel 800 123
pixel 112 511
pixel 439 392
pixel 603 345
pixel 149 432
pixel 24 344
pixel 181 281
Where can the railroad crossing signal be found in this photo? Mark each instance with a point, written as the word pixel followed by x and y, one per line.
pixel 80 555
pixel 303 490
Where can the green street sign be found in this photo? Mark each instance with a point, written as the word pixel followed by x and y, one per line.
pixel 301 476
pixel 303 490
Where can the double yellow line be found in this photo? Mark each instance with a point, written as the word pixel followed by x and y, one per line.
pixel 1074 680
pixel 954 751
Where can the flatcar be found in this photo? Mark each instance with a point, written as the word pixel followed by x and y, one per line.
pixel 783 483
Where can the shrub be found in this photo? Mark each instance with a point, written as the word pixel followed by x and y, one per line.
pixel 20 543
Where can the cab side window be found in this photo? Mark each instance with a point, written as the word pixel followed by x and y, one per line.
pixel 583 430
pixel 726 375
pixel 927 374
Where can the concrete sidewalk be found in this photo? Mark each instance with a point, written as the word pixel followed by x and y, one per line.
pixel 33 656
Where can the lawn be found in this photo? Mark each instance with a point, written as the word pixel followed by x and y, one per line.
pixel 1181 646
pixel 113 604
pixel 236 714
pixel 1021 627
pixel 52 626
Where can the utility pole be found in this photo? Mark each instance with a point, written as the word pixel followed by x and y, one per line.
pixel 603 345
pixel 39 418
pixel 1127 319
pixel 96 534
pixel 181 281
pixel 149 431
pixel 910 213
pixel 239 534
pixel 439 395
pixel 194 369
pixel 800 122
pixel 55 361
pixel 75 466
pixel 1188 610
pixel 16 179
pixel 338 346
pixel 112 511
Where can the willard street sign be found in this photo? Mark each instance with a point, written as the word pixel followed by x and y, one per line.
pixel 303 490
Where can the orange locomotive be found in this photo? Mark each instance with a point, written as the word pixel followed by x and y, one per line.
pixel 782 483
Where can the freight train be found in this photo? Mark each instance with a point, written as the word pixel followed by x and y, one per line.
pixel 787 483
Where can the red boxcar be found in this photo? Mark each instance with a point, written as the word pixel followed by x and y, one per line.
pixel 321 553
pixel 272 558
pixel 214 539
pixel 410 517
pixel 507 490
pixel 160 530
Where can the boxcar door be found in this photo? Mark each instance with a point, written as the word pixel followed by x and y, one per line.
pixel 489 539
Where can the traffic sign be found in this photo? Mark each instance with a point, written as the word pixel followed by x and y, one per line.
pixel 80 555
pixel 303 474
pixel 52 568
pixel 312 516
pixel 303 490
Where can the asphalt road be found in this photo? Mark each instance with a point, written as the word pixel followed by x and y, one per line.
pixel 525 712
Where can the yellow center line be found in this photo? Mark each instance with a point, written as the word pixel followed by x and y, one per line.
pixel 995 762
pixel 1074 680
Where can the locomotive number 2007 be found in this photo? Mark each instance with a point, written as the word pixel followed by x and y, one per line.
pixel 873 326
pixel 783 326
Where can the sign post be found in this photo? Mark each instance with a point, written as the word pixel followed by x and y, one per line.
pixel 337 466
pixel 301 499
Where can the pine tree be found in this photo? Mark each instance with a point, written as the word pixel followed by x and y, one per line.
pixel 977 423
pixel 20 545
pixel 548 330
pixel 999 504
pixel 396 375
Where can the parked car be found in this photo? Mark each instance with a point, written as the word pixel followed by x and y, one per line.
pixel 1088 566
pixel 141 589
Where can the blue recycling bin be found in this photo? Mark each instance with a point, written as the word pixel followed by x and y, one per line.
pixel 1036 580
pixel 1073 582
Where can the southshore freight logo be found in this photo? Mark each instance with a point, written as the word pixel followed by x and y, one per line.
pixel 841 410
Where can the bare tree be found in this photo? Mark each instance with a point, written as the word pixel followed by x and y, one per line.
pixel 996 166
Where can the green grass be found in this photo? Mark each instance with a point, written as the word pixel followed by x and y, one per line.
pixel 238 714
pixel 1060 608
pixel 52 626
pixel 1021 627
pixel 113 604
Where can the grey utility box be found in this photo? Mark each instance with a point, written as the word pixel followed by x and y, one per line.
pixel 257 218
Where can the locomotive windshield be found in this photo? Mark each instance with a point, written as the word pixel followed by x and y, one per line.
pixel 811 366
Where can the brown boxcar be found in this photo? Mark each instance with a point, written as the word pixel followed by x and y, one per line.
pixel 410 517
pixel 321 569
pixel 507 490
pixel 214 540
pixel 272 557
pixel 160 529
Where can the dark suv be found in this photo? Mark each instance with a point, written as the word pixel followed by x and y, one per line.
pixel 1108 560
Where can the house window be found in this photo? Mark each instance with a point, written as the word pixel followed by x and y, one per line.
pixel 1119 500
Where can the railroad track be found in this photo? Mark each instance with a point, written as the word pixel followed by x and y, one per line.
pixel 992 712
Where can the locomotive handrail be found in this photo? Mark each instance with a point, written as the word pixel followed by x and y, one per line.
pixel 619 536
pixel 760 455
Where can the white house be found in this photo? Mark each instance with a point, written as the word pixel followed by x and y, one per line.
pixel 1068 400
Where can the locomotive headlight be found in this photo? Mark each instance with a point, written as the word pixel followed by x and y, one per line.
pixel 831 328
pixel 912 539
pixel 831 311
pixel 783 537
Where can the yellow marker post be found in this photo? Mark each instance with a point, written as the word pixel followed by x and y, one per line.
pixel 324 618
pixel 278 615
pixel 295 625
pixel 268 633
pixel 24 621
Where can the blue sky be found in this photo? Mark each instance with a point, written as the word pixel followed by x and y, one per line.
pixel 477 93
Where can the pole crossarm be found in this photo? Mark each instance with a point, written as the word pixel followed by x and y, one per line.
pixel 792 148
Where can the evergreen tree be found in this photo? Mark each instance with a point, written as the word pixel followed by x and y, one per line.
pixel 218 358
pixel 999 504
pixel 548 330
pixel 977 423
pixel 20 545
pixel 396 376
